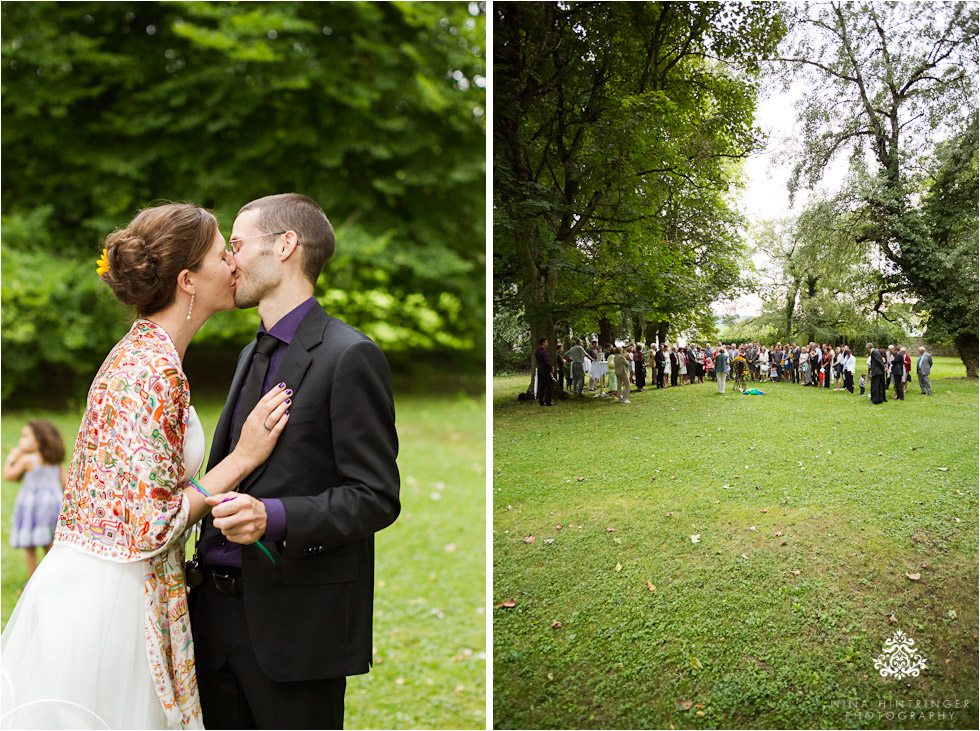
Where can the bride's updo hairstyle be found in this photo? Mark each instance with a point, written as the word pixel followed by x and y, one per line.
pixel 145 257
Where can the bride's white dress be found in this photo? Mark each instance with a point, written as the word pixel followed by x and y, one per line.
pixel 73 654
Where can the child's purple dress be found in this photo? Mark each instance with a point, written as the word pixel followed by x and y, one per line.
pixel 37 507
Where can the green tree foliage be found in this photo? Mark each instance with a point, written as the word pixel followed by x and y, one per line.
pixel 618 130
pixel 376 110
pixel 824 285
pixel 950 211
pixel 886 81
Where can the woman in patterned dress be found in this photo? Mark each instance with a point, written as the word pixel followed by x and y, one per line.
pixel 101 636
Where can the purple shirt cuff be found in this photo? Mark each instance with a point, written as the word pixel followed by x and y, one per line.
pixel 275 522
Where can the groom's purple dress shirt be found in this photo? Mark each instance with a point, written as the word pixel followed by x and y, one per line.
pixel 219 551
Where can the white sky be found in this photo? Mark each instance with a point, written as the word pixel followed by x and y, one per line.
pixel 767 173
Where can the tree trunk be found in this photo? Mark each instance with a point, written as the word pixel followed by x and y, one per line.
pixel 791 306
pixel 662 330
pixel 967 346
pixel 638 323
pixel 539 307
pixel 605 332
pixel 650 332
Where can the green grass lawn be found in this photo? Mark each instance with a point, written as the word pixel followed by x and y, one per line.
pixel 430 620
pixel 657 630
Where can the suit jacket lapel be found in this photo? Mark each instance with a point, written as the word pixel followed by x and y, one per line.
pixel 292 370
pixel 219 444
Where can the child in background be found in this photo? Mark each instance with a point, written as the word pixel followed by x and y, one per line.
pixel 37 462
pixel 861 384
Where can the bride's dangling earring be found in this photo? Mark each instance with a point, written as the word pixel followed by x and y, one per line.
pixel 191 308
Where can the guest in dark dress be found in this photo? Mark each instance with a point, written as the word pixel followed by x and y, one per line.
pixel 877 371
pixel 660 361
pixel 639 367
pixel 898 372
pixel 543 362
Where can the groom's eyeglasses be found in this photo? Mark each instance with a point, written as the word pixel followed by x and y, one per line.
pixel 235 245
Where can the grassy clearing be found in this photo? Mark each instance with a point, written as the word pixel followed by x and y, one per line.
pixel 430 622
pixel 729 637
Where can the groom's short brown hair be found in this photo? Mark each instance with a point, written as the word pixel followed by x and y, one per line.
pixel 295 212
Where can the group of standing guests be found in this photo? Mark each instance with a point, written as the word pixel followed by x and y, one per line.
pixel 894 364
pixel 815 365
pixel 618 368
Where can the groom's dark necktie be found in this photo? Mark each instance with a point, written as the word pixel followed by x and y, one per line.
pixel 252 389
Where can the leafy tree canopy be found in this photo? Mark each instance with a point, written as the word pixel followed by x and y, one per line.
pixel 375 110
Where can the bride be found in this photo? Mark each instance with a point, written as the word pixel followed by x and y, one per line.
pixel 101 636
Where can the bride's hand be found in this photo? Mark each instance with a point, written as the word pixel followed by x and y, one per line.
pixel 262 428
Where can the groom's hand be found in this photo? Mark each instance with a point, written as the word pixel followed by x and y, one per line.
pixel 241 519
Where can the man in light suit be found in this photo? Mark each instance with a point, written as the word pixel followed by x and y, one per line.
pixel 275 638
pixel 923 367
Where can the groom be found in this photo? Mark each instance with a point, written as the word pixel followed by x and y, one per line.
pixel 276 638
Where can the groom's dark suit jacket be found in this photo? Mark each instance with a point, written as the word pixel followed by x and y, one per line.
pixel 309 614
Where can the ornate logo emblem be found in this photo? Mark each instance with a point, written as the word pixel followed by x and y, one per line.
pixel 900 658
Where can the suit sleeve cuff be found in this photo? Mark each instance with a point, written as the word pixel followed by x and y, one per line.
pixel 275 523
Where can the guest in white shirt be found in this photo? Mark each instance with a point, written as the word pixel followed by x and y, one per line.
pixel 850 365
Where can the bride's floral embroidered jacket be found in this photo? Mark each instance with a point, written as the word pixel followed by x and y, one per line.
pixel 124 496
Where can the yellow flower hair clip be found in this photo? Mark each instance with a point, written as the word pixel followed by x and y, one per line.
pixel 103 263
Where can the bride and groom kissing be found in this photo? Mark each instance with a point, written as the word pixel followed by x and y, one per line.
pixel 275 609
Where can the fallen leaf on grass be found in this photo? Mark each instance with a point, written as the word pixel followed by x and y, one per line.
pixel 618 540
pixel 795 572
pixel 556 624
pixel 914 577
pixel 764 510
pixel 580 479
pixel 506 604
pixel 651 586
pixel 892 619
pixel 745 557
pixel 684 705
pixel 550 676
pixel 549 540
pixel 943 469
pixel 695 538
pixel 558 527
pixel 670 515
pixel 619 566
pixel 700 713
pixel 609 530
pixel 778 533
pixel 695 663
pixel 529 539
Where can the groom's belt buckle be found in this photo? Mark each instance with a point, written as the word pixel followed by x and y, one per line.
pixel 227 581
